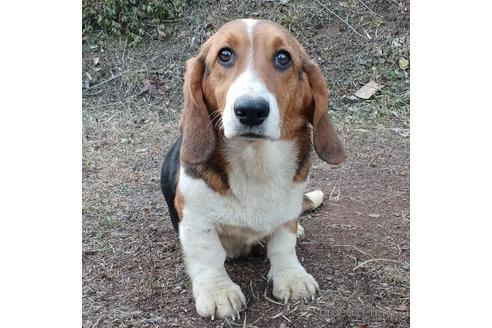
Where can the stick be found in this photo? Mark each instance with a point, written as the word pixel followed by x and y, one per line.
pixel 269 299
pixel 358 249
pixel 105 81
pixel 340 18
pixel 373 260
pixel 368 8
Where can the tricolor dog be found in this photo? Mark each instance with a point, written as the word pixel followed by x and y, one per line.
pixel 237 174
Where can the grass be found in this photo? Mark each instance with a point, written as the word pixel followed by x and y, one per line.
pixel 89 210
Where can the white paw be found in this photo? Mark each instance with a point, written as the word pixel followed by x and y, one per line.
pixel 300 231
pixel 316 197
pixel 219 299
pixel 293 284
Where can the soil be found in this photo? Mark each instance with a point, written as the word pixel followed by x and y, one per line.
pixel 356 244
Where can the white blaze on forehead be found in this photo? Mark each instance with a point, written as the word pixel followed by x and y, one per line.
pixel 250 23
pixel 248 83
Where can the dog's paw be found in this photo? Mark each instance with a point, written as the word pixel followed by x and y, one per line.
pixel 293 284
pixel 300 232
pixel 219 299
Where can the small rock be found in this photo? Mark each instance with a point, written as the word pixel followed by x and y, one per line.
pixel 403 63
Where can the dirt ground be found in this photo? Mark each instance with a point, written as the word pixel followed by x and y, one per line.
pixel 356 244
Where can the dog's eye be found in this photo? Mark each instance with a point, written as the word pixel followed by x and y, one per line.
pixel 225 56
pixel 282 60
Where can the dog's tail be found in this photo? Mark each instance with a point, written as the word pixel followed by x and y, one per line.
pixel 312 200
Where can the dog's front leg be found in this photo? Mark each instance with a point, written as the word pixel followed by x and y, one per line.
pixel 214 292
pixel 290 279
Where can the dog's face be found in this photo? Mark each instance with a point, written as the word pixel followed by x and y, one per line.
pixel 253 80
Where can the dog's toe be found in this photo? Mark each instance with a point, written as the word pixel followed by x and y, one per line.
pixel 219 300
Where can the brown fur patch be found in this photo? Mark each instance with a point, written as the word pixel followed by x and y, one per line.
pixel 238 241
pixel 326 143
pixel 214 173
pixel 199 137
pixel 179 204
pixel 292 225
pixel 303 155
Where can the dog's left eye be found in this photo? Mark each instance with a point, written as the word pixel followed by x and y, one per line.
pixel 225 56
pixel 282 60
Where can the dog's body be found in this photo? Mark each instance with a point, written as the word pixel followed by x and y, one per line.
pixel 237 173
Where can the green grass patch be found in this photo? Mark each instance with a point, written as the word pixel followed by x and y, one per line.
pixel 104 227
pixel 129 18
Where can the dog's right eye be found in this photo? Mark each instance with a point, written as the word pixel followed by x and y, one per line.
pixel 225 56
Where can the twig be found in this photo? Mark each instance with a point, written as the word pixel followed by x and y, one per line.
pixel 105 81
pixel 277 315
pixel 97 322
pixel 171 20
pixel 373 260
pixel 368 8
pixel 331 193
pixel 269 299
pixel 358 249
pixel 340 18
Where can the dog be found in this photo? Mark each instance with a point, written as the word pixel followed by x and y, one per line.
pixel 237 173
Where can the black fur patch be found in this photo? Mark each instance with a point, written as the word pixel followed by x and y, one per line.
pixel 169 180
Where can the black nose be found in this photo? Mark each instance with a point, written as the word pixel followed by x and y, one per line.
pixel 251 111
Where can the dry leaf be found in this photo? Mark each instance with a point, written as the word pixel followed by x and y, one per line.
pixel 363 326
pixel 161 30
pixel 89 77
pixel 154 87
pixel 373 215
pixel 403 63
pixel 405 133
pixel 95 61
pixel 368 90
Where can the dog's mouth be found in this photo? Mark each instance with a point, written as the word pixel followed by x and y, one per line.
pixel 252 135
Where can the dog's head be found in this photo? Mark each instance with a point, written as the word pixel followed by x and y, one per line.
pixel 252 79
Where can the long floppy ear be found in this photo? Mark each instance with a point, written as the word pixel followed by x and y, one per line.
pixel 326 143
pixel 198 136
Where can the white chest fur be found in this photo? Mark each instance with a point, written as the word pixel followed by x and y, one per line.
pixel 264 194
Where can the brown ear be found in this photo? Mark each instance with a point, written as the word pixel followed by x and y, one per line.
pixel 326 143
pixel 198 136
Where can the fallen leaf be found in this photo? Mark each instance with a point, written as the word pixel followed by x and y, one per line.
pixel 403 63
pixel 368 90
pixel 154 87
pixel 363 326
pixel 95 61
pixel 374 215
pixel 405 133
pixel 401 307
pixel 161 30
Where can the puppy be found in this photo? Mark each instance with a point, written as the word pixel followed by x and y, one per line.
pixel 236 175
